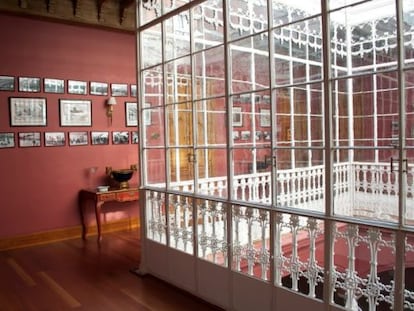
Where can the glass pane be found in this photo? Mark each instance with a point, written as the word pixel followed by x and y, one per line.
pixel 156 224
pixel 209 73
pixel 247 17
pixel 179 80
pixel 370 38
pixel 152 46
pixel 300 179
pixel 212 232
pixel 364 261
pixel 211 122
pixel 155 168
pixel 168 5
pixel 250 64
pixel 153 127
pixel 208 24
pixel 180 121
pixel 367 189
pixel 408 22
pixel 153 86
pixel 180 212
pixel 211 167
pixel 177 32
pixel 288 11
pixel 181 169
pixel 298 254
pixel 251 242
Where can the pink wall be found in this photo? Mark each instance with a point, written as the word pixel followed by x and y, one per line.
pixel 40 185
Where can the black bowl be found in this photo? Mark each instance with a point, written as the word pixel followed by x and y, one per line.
pixel 122 175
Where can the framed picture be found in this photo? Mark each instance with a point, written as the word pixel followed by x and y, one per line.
pixel 77 87
pixel 29 139
pixel 99 138
pixel 29 84
pixel 26 111
pixel 6 83
pixel 134 137
pixel 75 112
pixel 237 116
pixel 53 85
pixel 7 140
pixel 98 88
pixel 265 117
pixel 133 90
pixel 119 89
pixel 120 138
pixel 55 139
pixel 78 138
pixel 131 116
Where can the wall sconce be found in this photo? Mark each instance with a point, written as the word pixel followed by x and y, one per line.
pixel 110 107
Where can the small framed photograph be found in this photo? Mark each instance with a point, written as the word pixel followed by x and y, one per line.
pixel 265 117
pixel 98 88
pixel 6 83
pixel 133 90
pixel 53 85
pixel 78 138
pixel 29 139
pixel 245 135
pixel 134 137
pixel 77 87
pixel 55 139
pixel 29 84
pixel 75 112
pixel 236 135
pixel 120 138
pixel 99 138
pixel 7 140
pixel 131 113
pixel 118 89
pixel 26 111
pixel 237 116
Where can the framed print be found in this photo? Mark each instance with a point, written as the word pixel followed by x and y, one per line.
pixel 120 138
pixel 131 116
pixel 134 137
pixel 55 139
pixel 53 85
pixel 6 83
pixel 26 111
pixel 7 140
pixel 77 87
pixel 99 138
pixel 265 117
pixel 28 84
pixel 118 89
pixel 75 112
pixel 98 88
pixel 237 116
pixel 29 139
pixel 133 90
pixel 78 138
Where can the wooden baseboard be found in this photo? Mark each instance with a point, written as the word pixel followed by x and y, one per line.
pixel 65 234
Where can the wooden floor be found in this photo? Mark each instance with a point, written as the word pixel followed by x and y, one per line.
pixel 78 275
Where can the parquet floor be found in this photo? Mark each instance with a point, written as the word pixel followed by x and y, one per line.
pixel 78 275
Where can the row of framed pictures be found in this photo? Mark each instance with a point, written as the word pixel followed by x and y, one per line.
pixel 25 111
pixel 58 139
pixel 33 84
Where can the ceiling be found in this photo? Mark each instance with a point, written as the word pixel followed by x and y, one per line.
pixel 116 14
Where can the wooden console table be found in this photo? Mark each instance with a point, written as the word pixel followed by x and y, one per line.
pixel 99 198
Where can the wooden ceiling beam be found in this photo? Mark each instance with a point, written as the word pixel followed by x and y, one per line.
pixel 123 6
pixel 99 4
pixel 76 7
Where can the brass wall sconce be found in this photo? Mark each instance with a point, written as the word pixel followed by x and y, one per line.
pixel 110 103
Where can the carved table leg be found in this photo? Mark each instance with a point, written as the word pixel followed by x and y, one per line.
pixel 81 204
pixel 98 206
